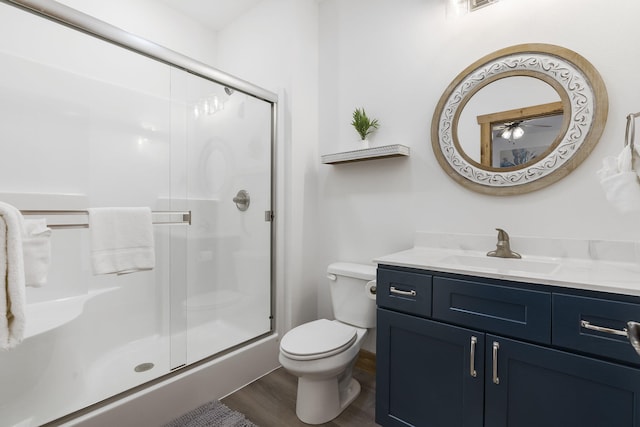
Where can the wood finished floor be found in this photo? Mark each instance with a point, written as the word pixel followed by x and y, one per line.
pixel 271 401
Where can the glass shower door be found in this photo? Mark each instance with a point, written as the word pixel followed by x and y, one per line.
pixel 227 187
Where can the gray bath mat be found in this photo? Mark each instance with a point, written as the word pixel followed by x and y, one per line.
pixel 212 414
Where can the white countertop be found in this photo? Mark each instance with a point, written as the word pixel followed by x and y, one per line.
pixel 606 266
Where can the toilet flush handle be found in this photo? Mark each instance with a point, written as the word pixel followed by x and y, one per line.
pixel 332 277
pixel 371 288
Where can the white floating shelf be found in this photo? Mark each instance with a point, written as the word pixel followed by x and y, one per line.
pixel 366 154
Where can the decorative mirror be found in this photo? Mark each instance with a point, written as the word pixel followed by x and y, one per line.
pixel 519 119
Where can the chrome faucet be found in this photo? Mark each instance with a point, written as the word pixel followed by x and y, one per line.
pixel 503 249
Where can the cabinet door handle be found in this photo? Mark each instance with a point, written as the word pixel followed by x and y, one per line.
pixel 496 346
pixel 634 335
pixel 472 364
pixel 396 291
pixel 585 324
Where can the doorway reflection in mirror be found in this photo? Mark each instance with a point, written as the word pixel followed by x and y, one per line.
pixel 529 132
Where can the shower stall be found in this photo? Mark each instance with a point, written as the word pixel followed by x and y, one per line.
pixel 100 118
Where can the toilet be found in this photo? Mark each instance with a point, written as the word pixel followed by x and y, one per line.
pixel 322 353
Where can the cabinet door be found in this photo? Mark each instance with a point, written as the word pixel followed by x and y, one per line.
pixel 533 386
pixel 425 373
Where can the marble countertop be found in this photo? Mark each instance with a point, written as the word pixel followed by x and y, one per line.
pixel 606 266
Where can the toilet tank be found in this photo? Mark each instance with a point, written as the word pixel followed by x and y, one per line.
pixel 352 300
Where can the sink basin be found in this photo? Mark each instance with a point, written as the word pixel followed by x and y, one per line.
pixel 503 264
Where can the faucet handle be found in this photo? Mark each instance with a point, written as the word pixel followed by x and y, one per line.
pixel 503 248
pixel 502 235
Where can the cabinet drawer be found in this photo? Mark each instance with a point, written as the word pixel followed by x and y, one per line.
pixel 514 312
pixel 404 291
pixel 569 312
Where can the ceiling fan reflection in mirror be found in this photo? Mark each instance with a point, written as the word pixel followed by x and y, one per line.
pixel 515 130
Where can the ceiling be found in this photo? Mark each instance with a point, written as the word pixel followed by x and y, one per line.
pixel 214 14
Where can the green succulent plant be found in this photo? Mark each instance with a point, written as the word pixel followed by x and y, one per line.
pixel 363 125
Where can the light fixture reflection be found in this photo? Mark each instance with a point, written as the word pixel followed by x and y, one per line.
pixel 208 106
pixel 517 133
pixel 512 132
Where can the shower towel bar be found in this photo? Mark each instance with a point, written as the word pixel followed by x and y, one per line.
pixel 186 217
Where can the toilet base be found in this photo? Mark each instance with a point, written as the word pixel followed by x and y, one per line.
pixel 320 401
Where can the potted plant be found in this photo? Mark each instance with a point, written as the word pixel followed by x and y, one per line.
pixel 363 125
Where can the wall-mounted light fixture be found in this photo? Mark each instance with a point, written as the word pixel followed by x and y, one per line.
pixel 477 4
pixel 462 7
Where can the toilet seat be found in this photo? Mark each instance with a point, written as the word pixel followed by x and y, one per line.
pixel 317 339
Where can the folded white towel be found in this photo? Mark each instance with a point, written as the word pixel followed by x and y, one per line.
pixel 12 291
pixel 36 247
pixel 121 240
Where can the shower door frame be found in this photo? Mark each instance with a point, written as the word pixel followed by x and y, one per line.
pixel 82 22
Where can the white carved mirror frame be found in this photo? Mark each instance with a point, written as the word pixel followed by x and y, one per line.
pixel 585 104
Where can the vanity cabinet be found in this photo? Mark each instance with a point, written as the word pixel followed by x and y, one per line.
pixel 423 373
pixel 485 354
pixel 528 385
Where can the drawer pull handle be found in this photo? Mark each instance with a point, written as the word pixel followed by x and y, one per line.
pixel 585 324
pixel 634 335
pixel 496 346
pixel 472 367
pixel 410 293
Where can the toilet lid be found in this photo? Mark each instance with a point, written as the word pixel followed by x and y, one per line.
pixel 317 339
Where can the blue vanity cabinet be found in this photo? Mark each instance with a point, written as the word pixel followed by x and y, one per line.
pixel 528 385
pixel 404 291
pixel 428 373
pixel 493 307
pixel 496 353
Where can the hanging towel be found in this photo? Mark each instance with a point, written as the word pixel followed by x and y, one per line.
pixel 36 247
pixel 121 240
pixel 620 181
pixel 623 191
pixel 12 293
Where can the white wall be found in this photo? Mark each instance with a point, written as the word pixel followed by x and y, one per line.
pixel 395 58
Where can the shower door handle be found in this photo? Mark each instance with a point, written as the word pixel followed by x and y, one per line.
pixel 242 200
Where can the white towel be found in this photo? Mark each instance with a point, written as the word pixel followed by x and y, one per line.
pixel 620 182
pixel 623 191
pixel 12 292
pixel 609 168
pixel 121 240
pixel 36 247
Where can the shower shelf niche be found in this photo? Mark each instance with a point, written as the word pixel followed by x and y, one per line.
pixel 372 153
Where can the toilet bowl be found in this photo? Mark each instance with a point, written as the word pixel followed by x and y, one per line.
pixel 322 353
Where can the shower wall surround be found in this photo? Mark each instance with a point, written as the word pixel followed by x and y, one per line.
pixel 85 123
